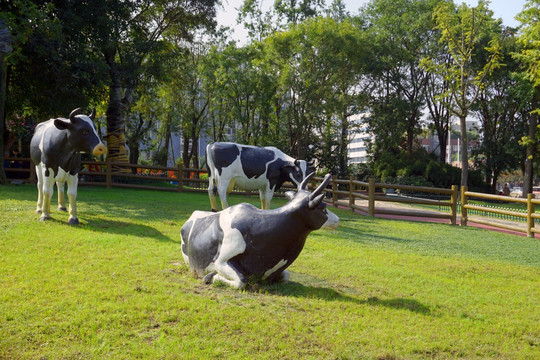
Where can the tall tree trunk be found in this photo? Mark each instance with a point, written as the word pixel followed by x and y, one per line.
pixel 116 129
pixel 442 135
pixel 531 148
pixel 3 82
pixel 167 142
pixel 464 150
pixel 186 156
pixel 343 146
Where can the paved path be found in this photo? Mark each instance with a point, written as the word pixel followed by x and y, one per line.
pixel 412 209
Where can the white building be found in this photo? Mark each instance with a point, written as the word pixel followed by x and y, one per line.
pixel 357 148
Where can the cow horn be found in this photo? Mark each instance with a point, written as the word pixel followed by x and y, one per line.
pixel 315 202
pixel 321 187
pixel 303 184
pixel 92 114
pixel 74 113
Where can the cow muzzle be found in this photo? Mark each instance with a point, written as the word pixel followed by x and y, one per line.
pixel 99 149
pixel 332 222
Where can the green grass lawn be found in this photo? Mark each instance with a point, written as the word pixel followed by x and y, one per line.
pixel 116 287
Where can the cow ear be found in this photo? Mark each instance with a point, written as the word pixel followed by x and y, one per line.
pixel 62 125
pixel 315 202
pixel 289 195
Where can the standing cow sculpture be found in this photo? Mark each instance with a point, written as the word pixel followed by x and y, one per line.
pixel 55 149
pixel 242 241
pixel 250 168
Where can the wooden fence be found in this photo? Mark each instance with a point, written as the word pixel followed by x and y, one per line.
pixel 529 216
pixel 352 194
pixel 373 192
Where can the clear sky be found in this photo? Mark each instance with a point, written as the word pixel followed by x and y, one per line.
pixel 504 9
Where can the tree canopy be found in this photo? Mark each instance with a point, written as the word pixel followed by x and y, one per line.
pixel 311 76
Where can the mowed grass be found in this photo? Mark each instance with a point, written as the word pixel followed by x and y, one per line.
pixel 116 287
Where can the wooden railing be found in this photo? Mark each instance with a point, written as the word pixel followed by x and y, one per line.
pixel 135 176
pixel 348 198
pixel 529 216
pixel 364 197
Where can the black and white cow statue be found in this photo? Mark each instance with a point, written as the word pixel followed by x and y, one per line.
pixel 242 240
pixel 56 150
pixel 250 168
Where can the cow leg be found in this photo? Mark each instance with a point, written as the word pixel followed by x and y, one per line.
pixel 230 188
pixel 222 186
pixel 72 182
pixel 61 197
pixel 39 174
pixel 233 244
pixel 227 274
pixel 48 189
pixel 212 189
pixel 266 198
pixel 283 276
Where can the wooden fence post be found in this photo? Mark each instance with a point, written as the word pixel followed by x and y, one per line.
pixel 108 174
pixel 463 206
pixel 334 189
pixel 371 196
pixel 179 176
pixel 352 189
pixel 453 207
pixel 530 219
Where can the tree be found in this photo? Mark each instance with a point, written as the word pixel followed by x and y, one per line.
pixel 126 34
pixel 529 56
pixel 258 23
pixel 296 11
pixel 51 70
pixel 499 106
pixel 5 48
pixel 401 34
pixel 462 29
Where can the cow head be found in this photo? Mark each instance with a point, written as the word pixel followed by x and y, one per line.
pixel 297 171
pixel 81 132
pixel 311 207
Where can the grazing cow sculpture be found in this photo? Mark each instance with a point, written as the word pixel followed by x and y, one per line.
pixel 55 149
pixel 250 168
pixel 242 240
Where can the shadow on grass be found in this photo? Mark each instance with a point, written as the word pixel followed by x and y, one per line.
pixel 125 228
pixel 324 293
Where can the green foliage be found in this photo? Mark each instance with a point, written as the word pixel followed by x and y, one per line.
pixel 51 70
pixel 465 32
pixel 360 171
pixel 530 40
pixel 116 286
pixel 423 170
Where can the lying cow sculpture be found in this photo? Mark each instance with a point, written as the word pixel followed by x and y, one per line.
pixel 242 241
pixel 250 168
pixel 55 149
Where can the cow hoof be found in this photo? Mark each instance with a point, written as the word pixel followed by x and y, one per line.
pixel 73 221
pixel 208 278
pixel 214 210
pixel 44 218
pixel 38 211
pixel 62 208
